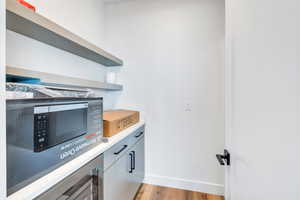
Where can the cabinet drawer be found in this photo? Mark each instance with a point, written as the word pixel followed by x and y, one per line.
pixel 117 150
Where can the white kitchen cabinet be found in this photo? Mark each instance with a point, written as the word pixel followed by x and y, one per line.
pixel 122 178
pixel 117 183
pixel 138 173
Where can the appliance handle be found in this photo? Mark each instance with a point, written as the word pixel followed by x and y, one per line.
pixel 124 147
pixel 57 108
pixel 67 107
pixel 77 188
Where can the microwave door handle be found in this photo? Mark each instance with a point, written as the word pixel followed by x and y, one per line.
pixel 58 108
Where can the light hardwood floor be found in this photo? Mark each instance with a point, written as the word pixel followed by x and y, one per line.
pixel 152 192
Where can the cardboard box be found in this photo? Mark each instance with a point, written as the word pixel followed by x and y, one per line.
pixel 117 120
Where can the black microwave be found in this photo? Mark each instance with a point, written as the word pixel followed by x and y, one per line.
pixel 43 134
pixel 40 124
pixel 55 124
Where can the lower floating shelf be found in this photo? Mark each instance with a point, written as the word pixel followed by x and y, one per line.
pixel 62 81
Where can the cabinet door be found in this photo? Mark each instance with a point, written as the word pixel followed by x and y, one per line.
pixel 139 163
pixel 117 182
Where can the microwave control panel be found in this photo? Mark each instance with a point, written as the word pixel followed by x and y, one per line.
pixel 40 131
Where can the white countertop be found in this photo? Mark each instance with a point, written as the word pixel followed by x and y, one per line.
pixel 46 182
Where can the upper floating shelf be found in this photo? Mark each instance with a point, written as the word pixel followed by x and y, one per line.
pixel 56 80
pixel 26 22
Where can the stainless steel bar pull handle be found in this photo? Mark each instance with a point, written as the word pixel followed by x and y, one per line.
pixel 58 108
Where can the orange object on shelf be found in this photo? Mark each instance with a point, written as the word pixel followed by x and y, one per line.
pixel 26 4
pixel 115 121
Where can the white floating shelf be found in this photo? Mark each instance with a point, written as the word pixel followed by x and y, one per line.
pixel 27 22
pixel 62 81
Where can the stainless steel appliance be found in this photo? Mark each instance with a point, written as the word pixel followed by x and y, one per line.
pixel 84 184
pixel 44 133
pixel 114 175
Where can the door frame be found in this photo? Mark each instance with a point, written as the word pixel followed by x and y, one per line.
pixel 2 99
pixel 228 94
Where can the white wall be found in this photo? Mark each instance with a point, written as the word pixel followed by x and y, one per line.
pixel 2 104
pixel 173 71
pixel 265 139
pixel 85 18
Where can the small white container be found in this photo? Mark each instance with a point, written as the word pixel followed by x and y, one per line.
pixel 111 77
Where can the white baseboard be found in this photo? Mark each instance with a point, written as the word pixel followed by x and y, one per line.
pixel 192 185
